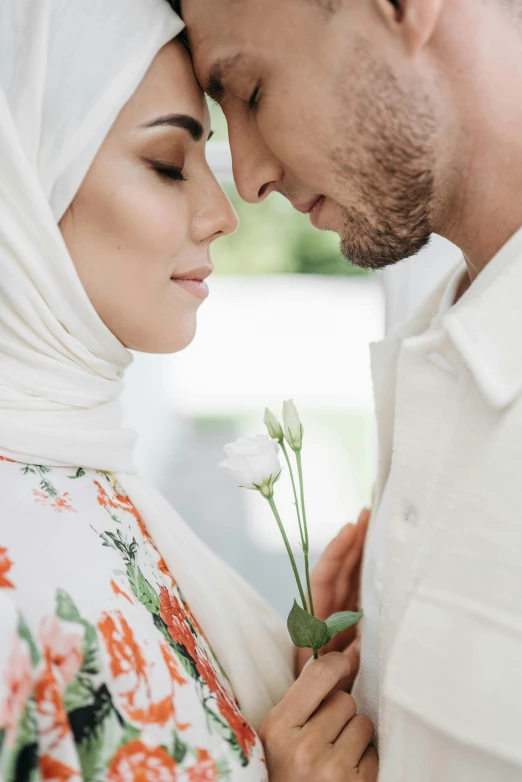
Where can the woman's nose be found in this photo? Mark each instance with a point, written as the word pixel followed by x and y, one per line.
pixel 217 217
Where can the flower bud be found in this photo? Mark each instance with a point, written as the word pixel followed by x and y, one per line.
pixel 292 426
pixel 275 430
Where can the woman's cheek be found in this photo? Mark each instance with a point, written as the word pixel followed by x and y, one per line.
pixel 159 221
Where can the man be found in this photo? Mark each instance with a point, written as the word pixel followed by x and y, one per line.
pixel 388 120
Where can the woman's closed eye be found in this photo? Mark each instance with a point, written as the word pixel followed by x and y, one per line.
pixel 167 171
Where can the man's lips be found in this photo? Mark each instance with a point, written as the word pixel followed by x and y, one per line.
pixel 307 207
pixel 194 281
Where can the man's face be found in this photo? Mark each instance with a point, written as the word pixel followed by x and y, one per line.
pixel 324 108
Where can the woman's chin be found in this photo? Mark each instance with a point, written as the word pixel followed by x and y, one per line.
pixel 171 339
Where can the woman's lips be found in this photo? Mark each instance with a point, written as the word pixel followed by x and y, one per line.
pixel 194 281
pixel 197 288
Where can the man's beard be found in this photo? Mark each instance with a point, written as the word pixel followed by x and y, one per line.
pixel 393 178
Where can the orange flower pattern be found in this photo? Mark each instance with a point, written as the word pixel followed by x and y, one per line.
pixel 18 682
pixel 136 761
pixel 5 567
pixel 52 769
pixel 205 769
pixel 107 674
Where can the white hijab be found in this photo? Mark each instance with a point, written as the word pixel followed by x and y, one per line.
pixel 67 68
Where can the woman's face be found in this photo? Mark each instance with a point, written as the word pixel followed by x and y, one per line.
pixel 140 228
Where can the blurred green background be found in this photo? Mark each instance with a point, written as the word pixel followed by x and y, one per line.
pixel 273 238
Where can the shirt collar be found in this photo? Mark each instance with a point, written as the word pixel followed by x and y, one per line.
pixel 429 314
pixel 486 326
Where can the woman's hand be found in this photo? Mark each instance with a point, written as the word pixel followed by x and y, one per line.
pixel 335 587
pixel 314 733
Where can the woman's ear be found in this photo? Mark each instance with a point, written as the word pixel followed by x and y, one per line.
pixel 414 21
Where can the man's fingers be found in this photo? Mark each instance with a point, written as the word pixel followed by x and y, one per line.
pixel 304 697
pixel 352 553
pixel 355 739
pixel 360 530
pixel 364 517
pixel 348 577
pixel 353 654
pixel 331 717
pixel 343 554
pixel 327 569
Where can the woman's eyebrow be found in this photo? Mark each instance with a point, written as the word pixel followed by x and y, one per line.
pixel 193 127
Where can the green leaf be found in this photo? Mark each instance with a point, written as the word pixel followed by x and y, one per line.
pixel 80 472
pixel 224 771
pixel 179 748
pixel 305 630
pixel 143 591
pixel 98 731
pixel 224 730
pixel 337 623
pixel 49 489
pixel 65 608
pixel 25 634
pixel 78 694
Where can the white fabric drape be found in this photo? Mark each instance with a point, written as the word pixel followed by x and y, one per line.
pixel 67 67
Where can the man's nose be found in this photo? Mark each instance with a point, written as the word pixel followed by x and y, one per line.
pixel 257 171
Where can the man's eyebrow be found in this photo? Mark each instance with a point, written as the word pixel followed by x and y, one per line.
pixel 214 85
pixel 193 127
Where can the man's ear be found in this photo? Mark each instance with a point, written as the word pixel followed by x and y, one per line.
pixel 414 21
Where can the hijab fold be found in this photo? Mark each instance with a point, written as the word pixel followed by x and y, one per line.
pixel 67 68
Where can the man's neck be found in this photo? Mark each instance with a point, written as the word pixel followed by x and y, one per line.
pixel 486 207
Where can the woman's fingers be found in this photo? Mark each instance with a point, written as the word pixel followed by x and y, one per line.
pixel 304 697
pixel 331 717
pixel 369 766
pixel 354 740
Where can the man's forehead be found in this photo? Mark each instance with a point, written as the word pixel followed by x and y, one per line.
pixel 214 56
pixel 215 71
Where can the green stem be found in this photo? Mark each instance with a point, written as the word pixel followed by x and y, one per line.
pixel 308 584
pixel 305 526
pixel 289 549
pixel 287 457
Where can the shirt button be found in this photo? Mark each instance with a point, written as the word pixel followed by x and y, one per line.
pixel 410 516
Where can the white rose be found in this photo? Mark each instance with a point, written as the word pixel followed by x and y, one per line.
pixel 292 426
pixel 254 463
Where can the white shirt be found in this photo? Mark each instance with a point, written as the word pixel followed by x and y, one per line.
pixel 449 409
pixel 372 578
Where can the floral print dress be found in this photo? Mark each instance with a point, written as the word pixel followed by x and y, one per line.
pixel 104 672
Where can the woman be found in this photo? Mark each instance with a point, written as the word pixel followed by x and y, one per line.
pixel 124 642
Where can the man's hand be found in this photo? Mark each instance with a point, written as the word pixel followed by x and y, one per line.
pixel 314 733
pixel 335 587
